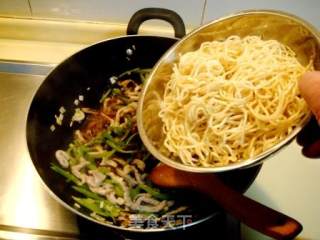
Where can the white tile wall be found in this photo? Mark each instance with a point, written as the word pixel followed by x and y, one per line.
pixel 111 10
pixel 307 9
pixel 120 10
pixel 14 8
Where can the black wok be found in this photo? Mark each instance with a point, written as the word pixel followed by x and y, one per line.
pixel 91 68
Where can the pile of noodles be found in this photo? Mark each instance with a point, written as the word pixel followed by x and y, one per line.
pixel 231 100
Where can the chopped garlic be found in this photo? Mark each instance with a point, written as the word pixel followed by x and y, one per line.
pixel 62 109
pixel 77 205
pixel 52 128
pixel 129 52
pixel 78 116
pixel 59 119
pixel 113 80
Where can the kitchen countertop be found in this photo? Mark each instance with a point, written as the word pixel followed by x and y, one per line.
pixel 49 41
pixel 288 181
pixel 25 206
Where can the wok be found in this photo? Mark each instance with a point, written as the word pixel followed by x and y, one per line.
pixel 91 68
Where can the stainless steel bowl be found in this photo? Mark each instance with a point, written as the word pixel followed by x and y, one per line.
pixel 288 29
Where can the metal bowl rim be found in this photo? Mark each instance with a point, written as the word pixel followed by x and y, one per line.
pixel 241 164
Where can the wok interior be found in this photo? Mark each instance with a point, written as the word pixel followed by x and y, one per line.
pixel 92 67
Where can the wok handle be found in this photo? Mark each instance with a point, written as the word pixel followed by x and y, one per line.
pixel 156 13
pixel 255 215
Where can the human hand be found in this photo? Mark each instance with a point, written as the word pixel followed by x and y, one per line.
pixel 309 137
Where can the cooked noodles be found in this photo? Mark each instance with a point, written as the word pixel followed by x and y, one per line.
pixel 231 100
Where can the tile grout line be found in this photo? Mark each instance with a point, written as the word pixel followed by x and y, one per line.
pixel 203 11
pixel 30 7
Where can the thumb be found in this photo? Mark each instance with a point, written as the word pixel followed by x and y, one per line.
pixel 309 86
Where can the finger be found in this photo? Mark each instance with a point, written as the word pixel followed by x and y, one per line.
pixel 313 150
pixel 309 86
pixel 309 134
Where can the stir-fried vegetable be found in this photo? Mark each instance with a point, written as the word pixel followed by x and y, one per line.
pixel 154 192
pixel 106 161
pixel 87 193
pixel 69 176
pixel 103 208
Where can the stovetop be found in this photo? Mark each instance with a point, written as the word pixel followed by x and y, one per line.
pixel 27 211
pixel 25 205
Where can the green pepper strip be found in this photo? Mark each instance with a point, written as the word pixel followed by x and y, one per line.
pixel 118 148
pixel 91 166
pixel 105 95
pixel 69 176
pixel 99 138
pixel 129 72
pixel 134 192
pixel 127 129
pixel 124 99
pixel 144 73
pixel 146 156
pixel 103 170
pixel 119 131
pixel 86 192
pixel 130 138
pixel 78 151
pixel 104 154
pixel 154 192
pixel 108 210
pixel 116 186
